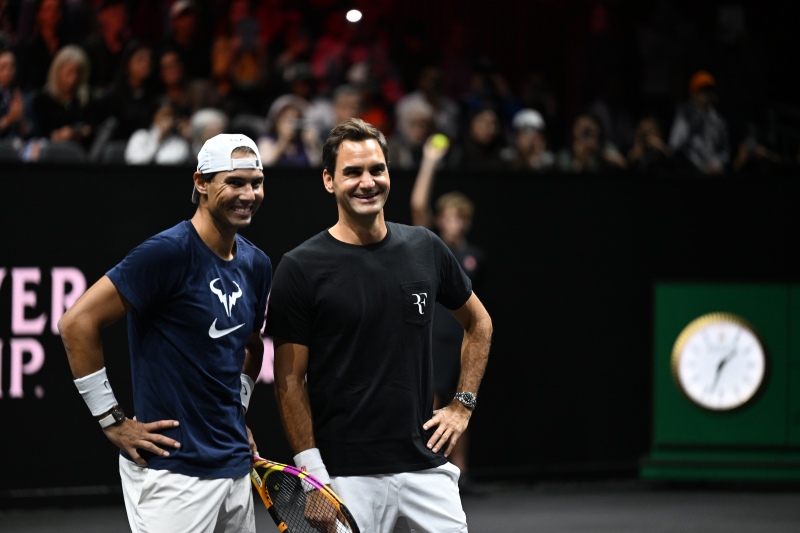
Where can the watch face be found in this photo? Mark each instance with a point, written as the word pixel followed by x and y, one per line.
pixel 467 398
pixel 718 361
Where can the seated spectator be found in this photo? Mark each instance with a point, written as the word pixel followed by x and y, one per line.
pixel 239 62
pixel 106 45
pixel 649 153
pixel 63 110
pixel 414 126
pixel 206 123
pixel 529 149
pixel 299 81
pixel 132 99
pixel 483 142
pixel 185 36
pixel 588 151
pixel 291 139
pixel 699 135
pixel 430 88
pixel 487 85
pixel 187 95
pixel 346 103
pixel 12 114
pixel 35 52
pixel 754 157
pixel 175 86
pixel 162 143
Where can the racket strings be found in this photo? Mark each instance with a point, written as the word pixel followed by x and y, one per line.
pixel 301 505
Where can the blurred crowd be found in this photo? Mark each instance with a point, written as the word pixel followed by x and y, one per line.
pixel 146 82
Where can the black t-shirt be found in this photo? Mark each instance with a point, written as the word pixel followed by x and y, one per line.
pixel 365 313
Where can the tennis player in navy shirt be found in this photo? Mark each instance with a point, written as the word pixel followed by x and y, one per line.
pixel 195 297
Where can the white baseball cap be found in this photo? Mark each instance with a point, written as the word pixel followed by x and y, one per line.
pixel 215 156
pixel 528 119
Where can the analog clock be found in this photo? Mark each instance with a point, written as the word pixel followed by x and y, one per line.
pixel 719 362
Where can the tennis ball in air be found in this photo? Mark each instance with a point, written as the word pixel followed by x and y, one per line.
pixel 440 141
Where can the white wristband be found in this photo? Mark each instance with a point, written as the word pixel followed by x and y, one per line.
pixel 311 461
pixel 247 390
pixel 96 392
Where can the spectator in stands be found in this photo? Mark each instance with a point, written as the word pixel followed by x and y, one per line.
pixel 699 135
pixel 132 99
pixel 291 140
pixel 529 148
pixel 106 45
pixel 650 153
pixel 63 110
pixel 163 143
pixel 374 108
pixel 489 86
pixel 430 88
pixel 12 112
pixel 481 145
pixel 536 91
pixel 239 64
pixel 588 151
pixel 754 156
pixel 346 102
pixel 186 37
pixel 299 81
pixel 414 126
pixel 204 124
pixel 36 51
pixel 187 95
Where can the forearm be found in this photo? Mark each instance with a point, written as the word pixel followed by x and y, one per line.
pixel 83 346
pixel 253 356
pixel 474 357
pixel 421 193
pixel 295 410
pixel 475 345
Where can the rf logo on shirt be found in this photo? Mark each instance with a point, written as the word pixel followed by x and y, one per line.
pixel 421 298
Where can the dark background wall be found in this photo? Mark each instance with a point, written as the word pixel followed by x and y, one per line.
pixel 573 264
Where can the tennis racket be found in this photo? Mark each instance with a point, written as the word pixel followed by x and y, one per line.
pixel 297 501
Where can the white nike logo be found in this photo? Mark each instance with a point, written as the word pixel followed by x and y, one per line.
pixel 215 333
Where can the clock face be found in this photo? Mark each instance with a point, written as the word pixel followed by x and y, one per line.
pixel 718 361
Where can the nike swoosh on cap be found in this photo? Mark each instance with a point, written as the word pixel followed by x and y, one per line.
pixel 215 333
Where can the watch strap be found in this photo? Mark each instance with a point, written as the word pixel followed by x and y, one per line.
pixel 116 415
pixel 467 399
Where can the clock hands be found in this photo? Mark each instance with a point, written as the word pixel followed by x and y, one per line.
pixel 727 357
pixel 721 365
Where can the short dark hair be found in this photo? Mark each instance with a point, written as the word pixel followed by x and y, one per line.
pixel 352 129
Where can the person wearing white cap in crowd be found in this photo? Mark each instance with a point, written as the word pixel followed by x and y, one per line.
pixel 529 148
pixel 195 297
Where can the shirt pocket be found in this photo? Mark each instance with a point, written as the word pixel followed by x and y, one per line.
pixel 418 301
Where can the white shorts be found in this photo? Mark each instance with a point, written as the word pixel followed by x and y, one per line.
pixel 160 501
pixel 426 501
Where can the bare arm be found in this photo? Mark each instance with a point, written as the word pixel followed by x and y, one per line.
pixel 253 355
pixel 421 211
pixel 80 327
pixel 253 359
pixel 475 346
pixel 291 364
pixel 452 420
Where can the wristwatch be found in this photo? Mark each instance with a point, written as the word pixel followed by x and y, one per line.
pixel 116 415
pixel 467 399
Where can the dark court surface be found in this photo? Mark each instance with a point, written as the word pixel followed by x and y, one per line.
pixel 548 507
